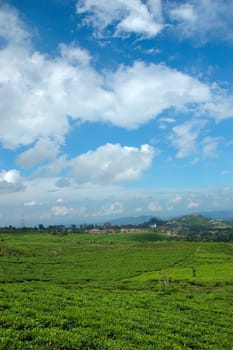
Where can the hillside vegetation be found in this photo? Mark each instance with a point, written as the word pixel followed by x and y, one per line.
pixel 199 228
pixel 114 291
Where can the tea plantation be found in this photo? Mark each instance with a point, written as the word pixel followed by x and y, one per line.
pixel 114 291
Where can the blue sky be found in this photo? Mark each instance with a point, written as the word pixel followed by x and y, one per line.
pixel 111 109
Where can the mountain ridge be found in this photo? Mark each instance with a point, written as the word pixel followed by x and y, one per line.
pixel 137 220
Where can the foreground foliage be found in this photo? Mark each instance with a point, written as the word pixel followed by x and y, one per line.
pixel 114 292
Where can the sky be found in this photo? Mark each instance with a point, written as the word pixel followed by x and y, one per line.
pixel 114 108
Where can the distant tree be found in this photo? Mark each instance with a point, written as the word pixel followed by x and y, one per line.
pixel 107 225
pixel 153 221
pixel 41 227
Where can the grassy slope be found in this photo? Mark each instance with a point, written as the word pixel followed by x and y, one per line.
pixel 114 292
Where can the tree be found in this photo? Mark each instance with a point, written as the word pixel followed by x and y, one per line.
pixel 41 227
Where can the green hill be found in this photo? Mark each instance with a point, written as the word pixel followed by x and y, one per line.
pixel 189 220
pixel 198 227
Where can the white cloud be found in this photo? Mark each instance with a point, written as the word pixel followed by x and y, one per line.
pixel 53 168
pixel 200 19
pixel 173 202
pixel 60 200
pixel 226 172
pixel 62 211
pixel 128 16
pixel 86 200
pixel 167 120
pixel 195 161
pixel 30 92
pixel 193 205
pixel 112 163
pixel 203 19
pixel 75 55
pixel 210 147
pixel 184 137
pixel 138 210
pixel 11 26
pixel 153 51
pixel 39 92
pixel 220 106
pixel 164 122
pixel 154 207
pixel 144 91
pixel 184 13
pixel 30 204
pixel 110 209
pixel 43 150
pixel 11 176
pixel 10 181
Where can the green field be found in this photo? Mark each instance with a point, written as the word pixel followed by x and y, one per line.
pixel 115 291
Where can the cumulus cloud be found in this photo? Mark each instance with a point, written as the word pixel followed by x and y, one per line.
pixel 112 163
pixel 43 150
pixel 144 91
pixel 130 16
pixel 53 168
pixel 38 92
pixel 10 181
pixel 200 19
pixel 75 55
pixel 108 164
pixel 30 93
pixel 203 19
pixel 11 176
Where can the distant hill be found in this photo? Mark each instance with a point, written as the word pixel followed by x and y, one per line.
pixel 198 228
pixel 135 220
pixel 194 219
pixel 199 218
